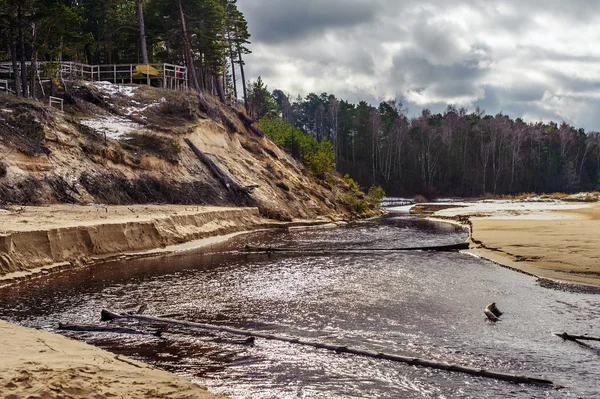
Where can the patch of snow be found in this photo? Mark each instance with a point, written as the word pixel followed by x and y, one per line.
pixel 139 110
pixel 114 127
pixel 8 111
pixel 113 89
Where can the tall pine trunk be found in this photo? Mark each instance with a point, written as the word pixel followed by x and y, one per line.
pixel 220 91
pixel 142 27
pixel 241 62
pixel 188 50
pixel 13 58
pixel 233 76
pixel 22 51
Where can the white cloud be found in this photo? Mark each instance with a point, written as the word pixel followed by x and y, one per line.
pixel 536 59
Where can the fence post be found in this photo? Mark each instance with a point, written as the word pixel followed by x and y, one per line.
pixel 56 100
pixel 115 73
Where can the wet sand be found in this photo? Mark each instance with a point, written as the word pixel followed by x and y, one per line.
pixel 559 241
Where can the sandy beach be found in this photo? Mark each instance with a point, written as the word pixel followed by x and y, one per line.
pixel 38 364
pixel 555 240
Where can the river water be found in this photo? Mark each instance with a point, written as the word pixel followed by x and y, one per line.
pixel 421 304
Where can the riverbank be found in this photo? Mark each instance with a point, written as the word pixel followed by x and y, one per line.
pixel 36 241
pixel 38 364
pixel 554 240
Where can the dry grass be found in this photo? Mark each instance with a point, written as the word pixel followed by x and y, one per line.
pixel 113 189
pixel 154 144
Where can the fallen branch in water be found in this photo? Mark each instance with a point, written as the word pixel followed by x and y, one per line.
pixel 439 248
pixel 104 329
pixel 570 337
pixel 521 379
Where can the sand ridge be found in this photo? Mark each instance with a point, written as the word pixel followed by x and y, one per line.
pixel 38 365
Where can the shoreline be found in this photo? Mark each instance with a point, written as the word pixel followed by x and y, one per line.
pixel 40 362
pixel 44 240
pixel 552 241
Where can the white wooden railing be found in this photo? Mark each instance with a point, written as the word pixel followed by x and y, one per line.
pixel 169 75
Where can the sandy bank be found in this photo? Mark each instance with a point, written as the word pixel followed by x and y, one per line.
pixel 37 364
pixel 555 240
pixel 36 240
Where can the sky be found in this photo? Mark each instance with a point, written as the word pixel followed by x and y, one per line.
pixel 534 59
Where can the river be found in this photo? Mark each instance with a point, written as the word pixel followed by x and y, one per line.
pixel 421 304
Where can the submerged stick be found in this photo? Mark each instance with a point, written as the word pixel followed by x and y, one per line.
pixel 570 337
pixel 440 248
pixel 521 379
pixel 98 328
pixel 492 312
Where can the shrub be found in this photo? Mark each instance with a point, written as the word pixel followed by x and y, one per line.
pixel 163 147
pixel 352 184
pixel 359 206
pixel 2 169
pixel 322 160
pixel 318 156
pixel 376 194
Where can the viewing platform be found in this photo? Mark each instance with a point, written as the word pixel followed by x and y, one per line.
pixel 169 76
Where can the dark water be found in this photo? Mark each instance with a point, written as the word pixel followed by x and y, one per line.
pixel 419 304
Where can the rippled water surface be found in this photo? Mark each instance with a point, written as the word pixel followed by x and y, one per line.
pixel 421 304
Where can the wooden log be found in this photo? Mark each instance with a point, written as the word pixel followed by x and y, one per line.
pixel 249 124
pixel 570 337
pixel 227 182
pixel 440 248
pixel 101 329
pixel 343 349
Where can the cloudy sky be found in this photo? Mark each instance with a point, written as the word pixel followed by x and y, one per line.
pixel 535 59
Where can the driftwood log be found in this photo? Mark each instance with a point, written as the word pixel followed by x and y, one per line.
pixel 231 186
pixel 521 379
pixel 570 337
pixel 102 329
pixel 440 248
pixel 249 124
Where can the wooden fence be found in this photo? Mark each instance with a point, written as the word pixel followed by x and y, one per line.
pixel 164 75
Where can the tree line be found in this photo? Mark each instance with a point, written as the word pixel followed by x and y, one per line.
pixel 209 36
pixel 455 153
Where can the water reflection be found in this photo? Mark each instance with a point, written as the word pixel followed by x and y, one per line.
pixel 411 303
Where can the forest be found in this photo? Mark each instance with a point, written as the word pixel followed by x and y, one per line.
pixel 211 35
pixel 457 153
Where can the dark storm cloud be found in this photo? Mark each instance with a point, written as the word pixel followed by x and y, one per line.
pixel 535 59
pixel 276 21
